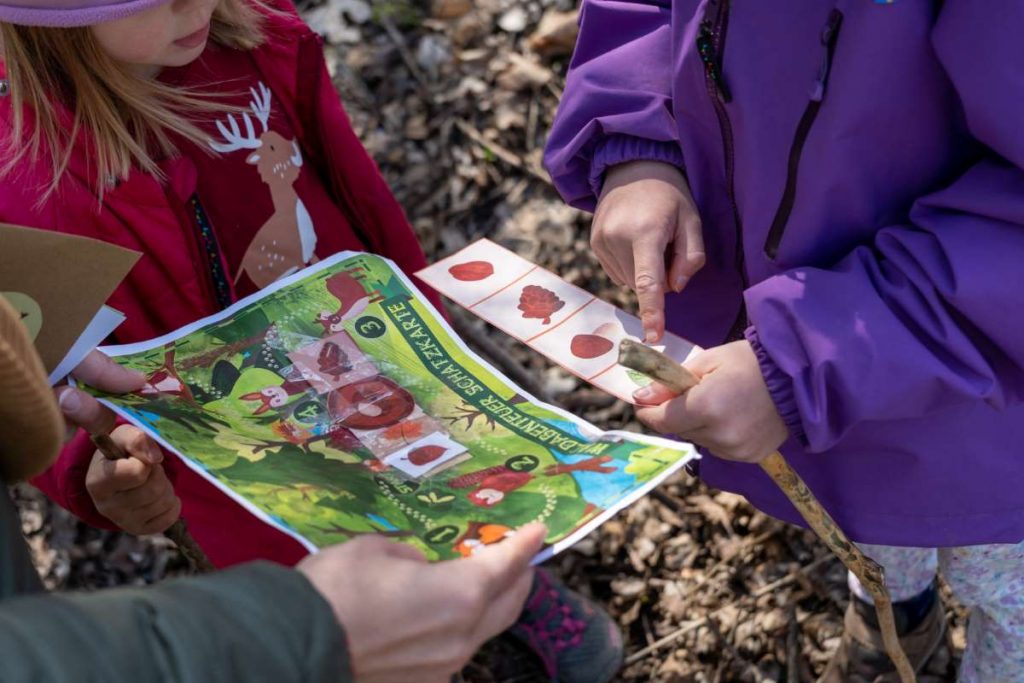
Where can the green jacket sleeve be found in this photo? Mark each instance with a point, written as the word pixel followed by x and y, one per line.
pixel 258 622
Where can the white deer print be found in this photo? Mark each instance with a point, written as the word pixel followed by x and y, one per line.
pixel 285 243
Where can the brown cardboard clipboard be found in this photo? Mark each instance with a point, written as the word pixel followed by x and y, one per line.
pixel 58 282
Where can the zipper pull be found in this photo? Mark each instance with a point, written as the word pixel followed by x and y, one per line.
pixel 712 65
pixel 829 35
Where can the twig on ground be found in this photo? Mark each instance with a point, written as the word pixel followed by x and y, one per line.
pixel 793 649
pixel 696 623
pixel 506 155
pixel 403 50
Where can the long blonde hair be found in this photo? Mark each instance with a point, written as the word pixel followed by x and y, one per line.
pixel 128 121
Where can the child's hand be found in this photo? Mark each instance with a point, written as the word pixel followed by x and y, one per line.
pixel 730 412
pixel 645 206
pixel 133 493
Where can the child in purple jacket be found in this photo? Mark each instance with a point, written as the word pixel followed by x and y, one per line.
pixel 829 195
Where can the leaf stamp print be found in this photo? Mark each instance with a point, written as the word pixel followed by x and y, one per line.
pixel 538 302
pixel 472 271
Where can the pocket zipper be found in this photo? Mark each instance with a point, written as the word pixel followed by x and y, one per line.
pixel 711 48
pixel 829 36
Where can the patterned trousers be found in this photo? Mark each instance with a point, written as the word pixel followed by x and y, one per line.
pixel 989 579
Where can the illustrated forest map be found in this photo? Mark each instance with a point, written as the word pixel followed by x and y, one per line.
pixel 337 402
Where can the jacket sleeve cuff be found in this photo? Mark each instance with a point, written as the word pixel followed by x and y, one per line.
pixel 255 622
pixel 780 387
pixel 317 643
pixel 64 481
pixel 620 149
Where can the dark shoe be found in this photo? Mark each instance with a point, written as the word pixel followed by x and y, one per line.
pixel 861 656
pixel 576 641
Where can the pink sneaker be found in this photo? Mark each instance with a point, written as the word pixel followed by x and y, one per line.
pixel 575 639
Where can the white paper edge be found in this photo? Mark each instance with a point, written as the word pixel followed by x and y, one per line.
pixel 546 553
pixel 99 328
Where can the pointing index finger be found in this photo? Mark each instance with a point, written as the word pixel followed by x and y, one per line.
pixel 649 285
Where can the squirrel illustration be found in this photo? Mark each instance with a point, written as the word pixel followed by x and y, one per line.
pixel 275 396
pixel 479 535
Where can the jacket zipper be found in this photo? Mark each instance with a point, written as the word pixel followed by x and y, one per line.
pixel 217 280
pixel 829 36
pixel 182 210
pixel 711 47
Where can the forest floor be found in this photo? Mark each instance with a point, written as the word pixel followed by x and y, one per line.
pixel 453 98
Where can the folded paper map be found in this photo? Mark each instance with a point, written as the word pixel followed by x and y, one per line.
pixel 338 402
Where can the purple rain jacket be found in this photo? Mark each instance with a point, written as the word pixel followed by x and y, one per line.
pixel 858 170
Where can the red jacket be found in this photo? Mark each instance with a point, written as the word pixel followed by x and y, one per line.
pixel 171 285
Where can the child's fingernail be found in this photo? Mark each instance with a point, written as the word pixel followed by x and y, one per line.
pixel 643 394
pixel 679 283
pixel 70 402
pixel 650 336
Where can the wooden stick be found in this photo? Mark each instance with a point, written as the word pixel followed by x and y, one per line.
pixel 674 376
pixel 177 532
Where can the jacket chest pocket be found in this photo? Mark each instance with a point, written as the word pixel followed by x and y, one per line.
pixel 829 38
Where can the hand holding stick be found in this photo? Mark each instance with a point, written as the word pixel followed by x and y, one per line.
pixel 667 371
pixel 177 532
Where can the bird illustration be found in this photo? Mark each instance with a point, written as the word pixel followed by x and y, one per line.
pixel 491 484
pixel 352 298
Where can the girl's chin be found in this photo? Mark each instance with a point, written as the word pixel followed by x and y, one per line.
pixel 179 58
pixel 185 55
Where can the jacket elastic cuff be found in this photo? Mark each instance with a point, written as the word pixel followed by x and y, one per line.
pixel 780 387
pixel 64 482
pixel 619 149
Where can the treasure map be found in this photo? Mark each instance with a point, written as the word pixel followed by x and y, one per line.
pixel 337 402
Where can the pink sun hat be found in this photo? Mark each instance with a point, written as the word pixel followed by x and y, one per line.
pixel 68 13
